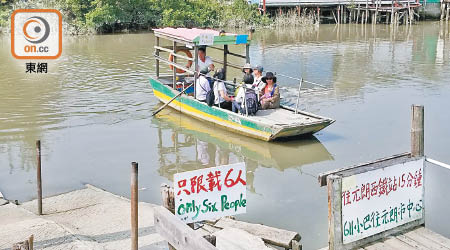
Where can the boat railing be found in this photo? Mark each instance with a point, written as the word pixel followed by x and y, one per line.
pixel 300 79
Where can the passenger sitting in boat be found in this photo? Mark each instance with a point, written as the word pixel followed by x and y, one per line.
pixel 220 92
pixel 270 96
pixel 258 85
pixel 203 60
pixel 202 85
pixel 240 94
pixel 247 69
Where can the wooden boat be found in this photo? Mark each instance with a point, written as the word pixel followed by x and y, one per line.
pixel 266 125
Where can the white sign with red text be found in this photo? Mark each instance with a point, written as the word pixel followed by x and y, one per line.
pixel 381 199
pixel 210 193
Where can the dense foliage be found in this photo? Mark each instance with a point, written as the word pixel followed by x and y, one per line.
pixel 112 15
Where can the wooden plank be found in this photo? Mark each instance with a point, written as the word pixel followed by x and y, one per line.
pixel 397 244
pixel 434 236
pixel 418 237
pixel 378 246
pixel 411 242
pixel 271 235
pixel 385 234
pixel 177 233
pixel 391 160
pixel 238 239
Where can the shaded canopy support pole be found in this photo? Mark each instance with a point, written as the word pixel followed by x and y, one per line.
pixel 156 59
pixel 174 68
pixel 225 55
pixel 195 69
pixel 264 6
pixel 247 53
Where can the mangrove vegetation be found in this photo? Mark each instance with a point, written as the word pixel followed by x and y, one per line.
pixel 103 16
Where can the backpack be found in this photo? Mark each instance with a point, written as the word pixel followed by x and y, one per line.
pixel 210 97
pixel 251 102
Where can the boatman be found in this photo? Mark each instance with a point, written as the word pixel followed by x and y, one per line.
pixel 203 60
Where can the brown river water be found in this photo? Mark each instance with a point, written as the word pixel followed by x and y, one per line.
pixel 92 111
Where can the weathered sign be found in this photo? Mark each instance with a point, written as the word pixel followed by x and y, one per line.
pixel 210 193
pixel 206 39
pixel 381 199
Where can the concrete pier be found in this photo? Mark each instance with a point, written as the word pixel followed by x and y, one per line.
pixel 84 219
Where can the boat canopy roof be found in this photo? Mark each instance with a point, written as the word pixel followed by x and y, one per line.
pixel 193 36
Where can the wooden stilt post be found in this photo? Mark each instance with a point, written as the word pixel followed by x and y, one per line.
pixel 134 206
pixel 408 19
pixel 38 177
pixel 417 131
pixel 334 16
pixel 392 12
pixel 376 12
pixel 367 10
pixel 344 14
pixel 357 16
pixel 350 16
pixel 448 12
pixel 339 14
pixel 318 15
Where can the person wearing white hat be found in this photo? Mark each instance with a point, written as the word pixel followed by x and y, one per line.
pixel 258 84
pixel 247 69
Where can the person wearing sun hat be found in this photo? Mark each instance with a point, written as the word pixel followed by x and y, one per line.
pixel 270 95
pixel 258 85
pixel 247 69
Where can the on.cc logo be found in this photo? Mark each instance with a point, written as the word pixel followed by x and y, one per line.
pixel 36 34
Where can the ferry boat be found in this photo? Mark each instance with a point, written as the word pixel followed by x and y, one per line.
pixel 177 90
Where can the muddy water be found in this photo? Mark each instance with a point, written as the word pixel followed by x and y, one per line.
pixel 92 113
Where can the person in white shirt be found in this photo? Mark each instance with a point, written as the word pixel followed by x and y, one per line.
pixel 203 60
pixel 240 96
pixel 220 92
pixel 258 84
pixel 202 85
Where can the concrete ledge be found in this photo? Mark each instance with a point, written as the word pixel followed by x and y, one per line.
pixel 90 218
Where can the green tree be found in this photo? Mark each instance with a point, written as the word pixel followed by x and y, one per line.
pixel 108 15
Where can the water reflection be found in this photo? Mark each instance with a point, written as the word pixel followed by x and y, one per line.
pixel 349 58
pixel 186 144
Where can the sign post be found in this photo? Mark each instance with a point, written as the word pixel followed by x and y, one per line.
pixel 372 201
